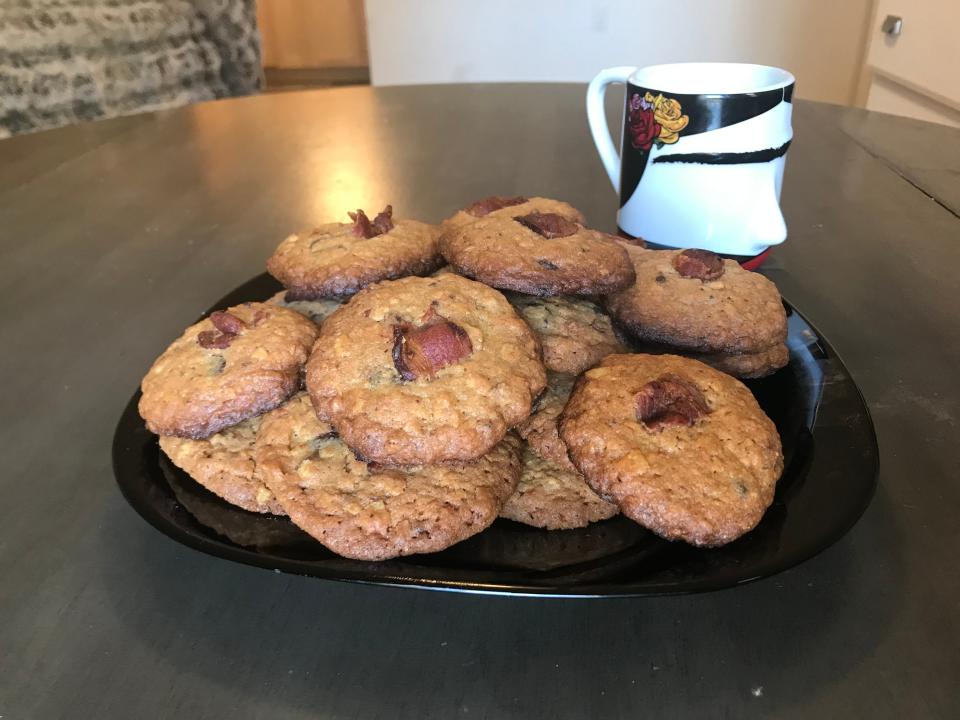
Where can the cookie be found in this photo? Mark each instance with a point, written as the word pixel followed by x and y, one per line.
pixel 316 310
pixel 540 429
pixel 552 493
pixel 695 300
pixel 338 259
pixel 575 333
pixel 369 512
pixel 749 365
pixel 538 254
pixel 741 365
pixel 683 449
pixel 228 367
pixel 424 370
pixel 509 206
pixel 224 464
pixel 549 496
pixel 293 428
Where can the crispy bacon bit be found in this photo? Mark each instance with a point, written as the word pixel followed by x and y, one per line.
pixel 227 323
pixel 227 328
pixel 699 264
pixel 210 339
pixel 361 224
pixel 670 400
pixel 381 224
pixel 421 352
pixel 549 225
pixel 486 206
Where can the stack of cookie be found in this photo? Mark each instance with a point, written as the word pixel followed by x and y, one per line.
pixel 206 393
pixel 696 303
pixel 437 399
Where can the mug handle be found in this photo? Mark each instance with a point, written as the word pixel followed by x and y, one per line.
pixel 597 119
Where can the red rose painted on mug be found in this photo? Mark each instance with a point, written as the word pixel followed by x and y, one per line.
pixel 654 120
pixel 643 126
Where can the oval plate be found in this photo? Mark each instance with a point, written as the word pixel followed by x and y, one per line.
pixel 830 473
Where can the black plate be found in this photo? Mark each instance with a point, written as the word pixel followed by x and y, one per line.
pixel 831 464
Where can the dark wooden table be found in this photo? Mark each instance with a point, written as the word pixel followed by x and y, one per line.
pixel 115 235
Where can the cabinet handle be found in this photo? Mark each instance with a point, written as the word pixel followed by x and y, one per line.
pixel 892 25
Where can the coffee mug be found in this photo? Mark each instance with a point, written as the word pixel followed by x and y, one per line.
pixel 702 154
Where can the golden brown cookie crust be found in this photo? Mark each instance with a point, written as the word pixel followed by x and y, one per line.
pixel 707 484
pixel 540 429
pixel 534 204
pixel 332 262
pixel 503 253
pixel 463 411
pixel 192 391
pixel 575 333
pixel 315 310
pixel 749 365
pixel 740 312
pixel 741 365
pixel 224 464
pixel 372 513
pixel 553 498
pixel 292 427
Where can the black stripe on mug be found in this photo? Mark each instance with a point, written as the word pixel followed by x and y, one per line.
pixel 706 112
pixel 754 156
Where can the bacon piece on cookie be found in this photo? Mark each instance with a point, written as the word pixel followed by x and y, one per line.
pixel 699 264
pixel 482 208
pixel 670 400
pixel 548 225
pixel 421 352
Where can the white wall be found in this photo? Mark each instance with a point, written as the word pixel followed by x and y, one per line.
pixel 442 41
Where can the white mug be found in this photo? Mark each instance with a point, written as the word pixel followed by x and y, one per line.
pixel 702 153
